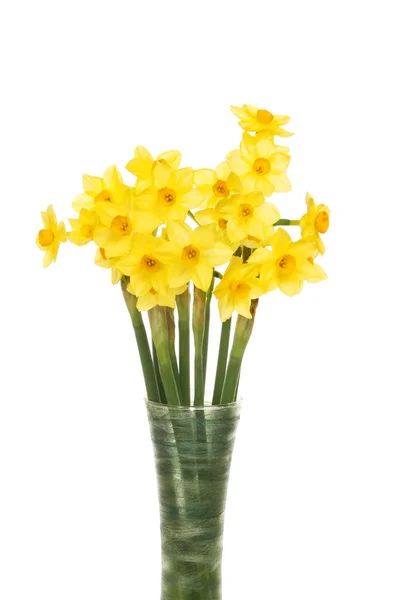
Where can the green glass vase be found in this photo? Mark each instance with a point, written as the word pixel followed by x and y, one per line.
pixel 193 450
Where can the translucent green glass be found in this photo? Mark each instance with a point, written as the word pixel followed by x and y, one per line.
pixel 193 450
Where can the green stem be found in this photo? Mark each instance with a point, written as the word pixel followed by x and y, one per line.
pixel 209 295
pixel 287 222
pixel 198 326
pixel 144 350
pixel 163 399
pixel 246 253
pixel 222 360
pixel 141 337
pixel 183 305
pixel 192 216
pixel 243 331
pixel 160 336
pixel 171 328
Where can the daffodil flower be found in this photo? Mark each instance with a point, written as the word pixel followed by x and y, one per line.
pixel 83 228
pixel 101 260
pixel 248 216
pixel 154 298
pixel 143 165
pixel 144 267
pixel 192 254
pixel 314 223
pixel 238 287
pixel 258 119
pixel 50 237
pixel 218 184
pixel 261 165
pixel 172 195
pixel 109 188
pixel 287 265
pixel 118 223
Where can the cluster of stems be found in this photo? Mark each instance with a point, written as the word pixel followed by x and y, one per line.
pixel 168 378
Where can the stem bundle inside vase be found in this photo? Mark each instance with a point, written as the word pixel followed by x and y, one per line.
pixel 168 379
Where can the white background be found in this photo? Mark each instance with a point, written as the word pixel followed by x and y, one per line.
pixel 312 510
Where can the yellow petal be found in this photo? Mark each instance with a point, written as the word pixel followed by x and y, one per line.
pixel 242 306
pixel 202 276
pixel 291 287
pixel 240 112
pixel 279 161
pixel 280 241
pixel 223 171
pixel 140 168
pixel 171 157
pixel 204 177
pixel 260 256
pixel 145 222
pixel 162 174
pixel 140 285
pixel 235 232
pixel 147 302
pixel 207 216
pixel 112 178
pixel 280 181
pixel 92 185
pixel 225 307
pixel 204 236
pixel 217 255
pixel 192 199
pixel 179 275
pixel 82 201
pixel 182 180
pixel 168 252
pixel 268 213
pixel 265 185
pixel 143 153
pixel 236 163
pixel 179 232
pixel 116 275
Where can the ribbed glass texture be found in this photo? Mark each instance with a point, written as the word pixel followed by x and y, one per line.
pixel 193 450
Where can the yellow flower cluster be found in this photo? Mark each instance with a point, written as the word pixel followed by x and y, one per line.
pixel 141 232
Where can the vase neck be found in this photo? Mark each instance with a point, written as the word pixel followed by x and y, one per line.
pixel 193 451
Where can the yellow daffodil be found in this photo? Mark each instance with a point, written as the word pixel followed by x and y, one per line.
pixel 317 274
pixel 218 184
pixel 287 265
pixel 109 188
pixel 83 228
pixel 118 223
pixel 248 216
pixel 101 260
pixel 192 253
pixel 143 165
pixel 256 120
pixel 50 237
pixel 172 195
pixel 154 298
pixel 261 165
pixel 214 215
pixel 238 287
pixel 314 223
pixel 144 267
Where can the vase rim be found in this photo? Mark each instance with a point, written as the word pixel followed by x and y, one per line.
pixel 207 407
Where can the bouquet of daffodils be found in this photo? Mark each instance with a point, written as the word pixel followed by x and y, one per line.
pixel 179 232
